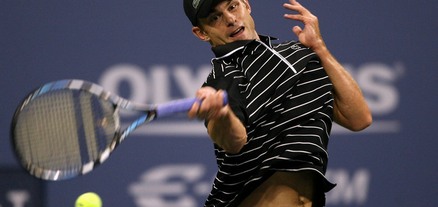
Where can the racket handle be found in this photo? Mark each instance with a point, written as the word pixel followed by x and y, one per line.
pixel 182 105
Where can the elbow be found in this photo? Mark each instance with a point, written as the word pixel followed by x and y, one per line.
pixel 354 122
pixel 361 123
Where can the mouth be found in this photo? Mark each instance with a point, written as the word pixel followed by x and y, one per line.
pixel 237 32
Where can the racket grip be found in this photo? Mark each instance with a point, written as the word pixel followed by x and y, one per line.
pixel 182 105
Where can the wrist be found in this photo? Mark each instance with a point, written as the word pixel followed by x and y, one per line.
pixel 320 49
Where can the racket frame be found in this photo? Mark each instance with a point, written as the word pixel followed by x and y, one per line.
pixel 149 113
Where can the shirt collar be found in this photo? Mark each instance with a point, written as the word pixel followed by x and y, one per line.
pixel 225 50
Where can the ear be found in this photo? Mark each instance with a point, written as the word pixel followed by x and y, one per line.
pixel 198 32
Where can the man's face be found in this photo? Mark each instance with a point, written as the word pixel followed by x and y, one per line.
pixel 230 21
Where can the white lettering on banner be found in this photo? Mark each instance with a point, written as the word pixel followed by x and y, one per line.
pixel 154 87
pixel 162 83
pixel 112 78
pixel 168 186
pixel 377 83
pixel 133 75
pixel 187 83
pixel 350 190
pixel 18 198
pixel 180 185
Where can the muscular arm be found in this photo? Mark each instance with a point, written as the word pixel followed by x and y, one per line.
pixel 227 132
pixel 224 128
pixel 350 108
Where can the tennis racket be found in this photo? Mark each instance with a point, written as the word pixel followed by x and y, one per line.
pixel 66 128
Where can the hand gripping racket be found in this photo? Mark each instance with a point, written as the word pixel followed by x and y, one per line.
pixel 66 128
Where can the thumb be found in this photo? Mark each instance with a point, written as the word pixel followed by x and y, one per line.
pixel 297 30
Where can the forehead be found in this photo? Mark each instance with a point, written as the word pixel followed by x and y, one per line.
pixel 220 4
pixel 217 9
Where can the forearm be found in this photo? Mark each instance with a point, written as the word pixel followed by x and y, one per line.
pixel 350 108
pixel 228 132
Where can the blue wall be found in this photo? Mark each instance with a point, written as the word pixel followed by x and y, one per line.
pixel 144 51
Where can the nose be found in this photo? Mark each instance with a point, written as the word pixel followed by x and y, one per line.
pixel 229 18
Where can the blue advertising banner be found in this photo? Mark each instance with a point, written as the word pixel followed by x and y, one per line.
pixel 145 52
pixel 18 189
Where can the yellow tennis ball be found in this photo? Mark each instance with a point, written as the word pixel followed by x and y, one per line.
pixel 89 199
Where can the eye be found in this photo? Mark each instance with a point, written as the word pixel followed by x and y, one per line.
pixel 233 6
pixel 214 18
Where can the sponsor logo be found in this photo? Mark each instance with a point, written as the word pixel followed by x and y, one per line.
pixel 185 185
pixel 195 4
pixel 161 83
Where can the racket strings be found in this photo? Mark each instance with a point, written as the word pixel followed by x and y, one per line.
pixel 65 128
pixel 39 125
pixel 99 124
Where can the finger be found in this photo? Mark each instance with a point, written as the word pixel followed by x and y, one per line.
pixel 206 90
pixel 295 6
pixel 221 97
pixel 215 106
pixel 295 2
pixel 193 112
pixel 297 30
pixel 209 106
pixel 299 15
pixel 296 17
pixel 291 7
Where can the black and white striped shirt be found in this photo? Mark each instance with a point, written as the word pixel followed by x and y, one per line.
pixel 283 96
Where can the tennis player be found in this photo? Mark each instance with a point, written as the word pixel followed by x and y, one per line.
pixel 271 139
